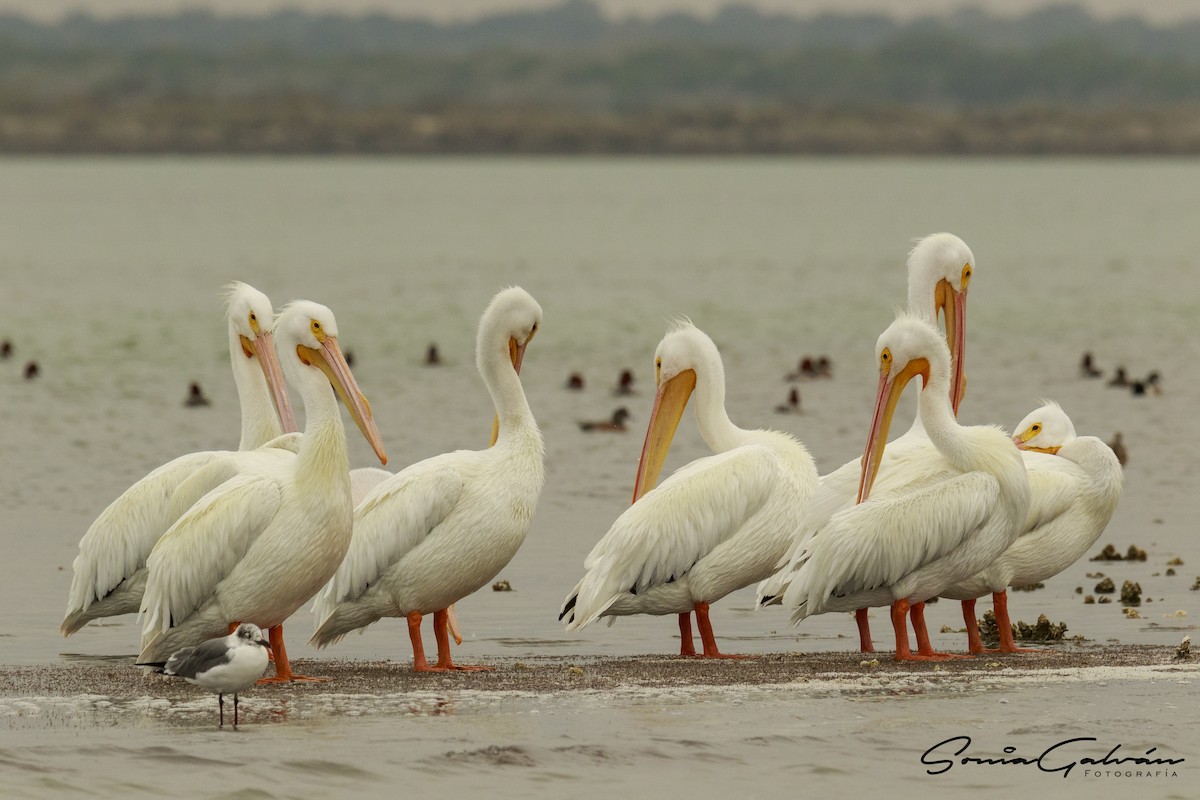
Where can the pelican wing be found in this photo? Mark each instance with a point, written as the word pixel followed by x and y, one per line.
pixel 394 517
pixel 119 541
pixel 1054 483
pixel 661 536
pixel 878 542
pixel 204 546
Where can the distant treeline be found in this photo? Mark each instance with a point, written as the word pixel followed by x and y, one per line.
pixel 568 80
pixel 579 23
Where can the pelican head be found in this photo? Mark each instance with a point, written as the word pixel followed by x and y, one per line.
pixel 940 266
pixel 1045 430
pixel 309 331
pixel 684 349
pixel 510 321
pixel 252 318
pixel 909 347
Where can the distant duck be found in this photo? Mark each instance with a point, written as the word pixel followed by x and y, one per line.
pixel 349 355
pixel 1152 384
pixel 1119 379
pixel 196 397
pixel 6 350
pixel 792 406
pixel 1118 447
pixel 1087 369
pixel 432 357
pixel 824 367
pixel 805 371
pixel 575 382
pixel 616 424
pixel 32 370
pixel 225 665
pixel 625 383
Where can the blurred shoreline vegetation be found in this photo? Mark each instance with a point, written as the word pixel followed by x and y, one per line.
pixel 568 80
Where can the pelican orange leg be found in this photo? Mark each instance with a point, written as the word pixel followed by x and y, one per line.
pixel 283 669
pixel 924 648
pixel 707 639
pixel 441 632
pixel 1007 644
pixel 864 631
pixel 687 647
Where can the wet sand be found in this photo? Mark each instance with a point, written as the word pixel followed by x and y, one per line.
pixel 551 674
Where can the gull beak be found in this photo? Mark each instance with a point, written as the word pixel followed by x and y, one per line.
pixel 516 353
pixel 329 360
pixel 669 403
pixel 890 390
pixel 262 347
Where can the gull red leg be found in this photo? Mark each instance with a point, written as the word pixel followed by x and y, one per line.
pixel 865 644
pixel 1007 643
pixel 687 647
pixel 283 669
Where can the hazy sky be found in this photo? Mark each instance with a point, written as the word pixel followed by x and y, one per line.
pixel 1157 10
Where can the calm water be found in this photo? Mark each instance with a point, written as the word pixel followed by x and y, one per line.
pixel 112 274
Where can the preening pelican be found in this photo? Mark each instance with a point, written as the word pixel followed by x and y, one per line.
pixel 110 568
pixel 1076 482
pixel 940 268
pixel 261 544
pixel 716 525
pixel 906 546
pixel 440 529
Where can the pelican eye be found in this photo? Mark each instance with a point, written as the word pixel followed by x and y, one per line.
pixel 966 275
pixel 885 359
pixel 1036 427
pixel 317 330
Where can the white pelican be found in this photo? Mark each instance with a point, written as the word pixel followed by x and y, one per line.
pixel 110 568
pixel 940 268
pixel 906 546
pixel 261 544
pixel 440 529
pixel 715 526
pixel 1076 482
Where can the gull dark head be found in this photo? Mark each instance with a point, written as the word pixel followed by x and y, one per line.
pixel 251 633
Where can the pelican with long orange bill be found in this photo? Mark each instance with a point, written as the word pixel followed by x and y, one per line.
pixel 914 534
pixel 258 547
pixel 940 268
pixel 716 525
pixel 440 529
pixel 110 570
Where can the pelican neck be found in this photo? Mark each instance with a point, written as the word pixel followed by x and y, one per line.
pixel 260 421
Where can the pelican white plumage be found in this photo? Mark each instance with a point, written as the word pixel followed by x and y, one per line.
pixel 716 525
pixel 1076 482
pixel 110 569
pixel 440 529
pixel 261 544
pixel 907 546
pixel 940 268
